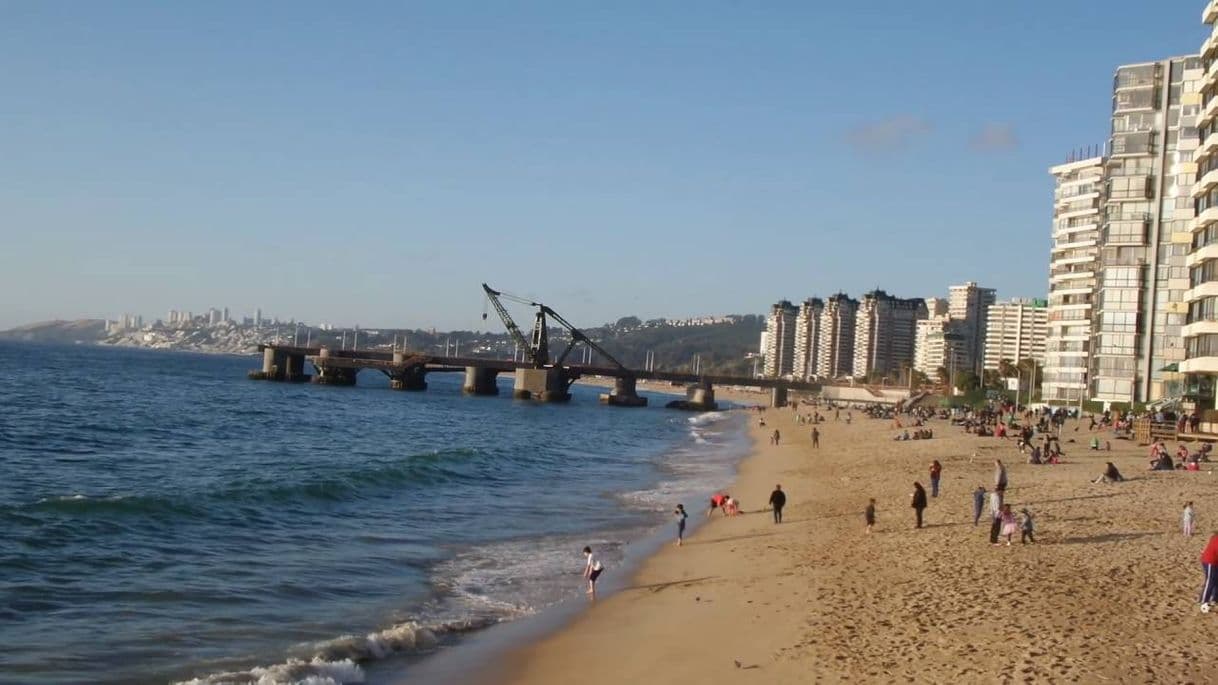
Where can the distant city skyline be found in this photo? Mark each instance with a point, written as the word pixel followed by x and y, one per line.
pixel 374 164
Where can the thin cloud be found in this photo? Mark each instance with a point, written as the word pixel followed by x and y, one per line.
pixel 890 134
pixel 994 138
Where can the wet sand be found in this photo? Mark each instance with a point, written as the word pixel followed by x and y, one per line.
pixel 1108 593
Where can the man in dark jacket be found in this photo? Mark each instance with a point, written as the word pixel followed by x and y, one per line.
pixel 918 502
pixel 778 500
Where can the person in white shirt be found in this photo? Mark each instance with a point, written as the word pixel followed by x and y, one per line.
pixel 592 571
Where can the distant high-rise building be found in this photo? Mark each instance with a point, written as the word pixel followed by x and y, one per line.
pixel 807 338
pixel 780 340
pixel 884 333
pixel 968 303
pixel 1073 264
pixel 258 316
pixel 836 353
pixel 1015 331
pixel 936 306
pixel 940 344
pixel 227 318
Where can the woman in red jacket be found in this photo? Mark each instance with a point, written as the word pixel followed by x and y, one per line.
pixel 1209 562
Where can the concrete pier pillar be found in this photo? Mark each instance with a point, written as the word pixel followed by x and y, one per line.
pixel 624 394
pixel 268 361
pixel 294 368
pixel 480 380
pixel 413 379
pixel 778 396
pixel 547 385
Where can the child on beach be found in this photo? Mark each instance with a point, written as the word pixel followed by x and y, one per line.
pixel 1186 519
pixel 1008 523
pixel 1025 527
pixel 869 514
pixel 978 503
pixel 592 571
pixel 681 516
pixel 717 501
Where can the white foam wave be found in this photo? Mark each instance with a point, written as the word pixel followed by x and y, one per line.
pixel 708 417
pixel 317 671
pixel 698 439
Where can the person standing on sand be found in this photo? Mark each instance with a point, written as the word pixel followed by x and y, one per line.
pixel 815 439
pixel 978 503
pixel 1187 519
pixel 1000 476
pixel 778 500
pixel 918 502
pixel 869 514
pixel 1025 527
pixel 936 469
pixel 1209 564
pixel 681 516
pixel 995 516
pixel 592 571
pixel 1008 523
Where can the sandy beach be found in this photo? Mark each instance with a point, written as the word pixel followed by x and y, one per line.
pixel 1108 593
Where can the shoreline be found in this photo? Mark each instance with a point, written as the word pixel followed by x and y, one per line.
pixel 816 598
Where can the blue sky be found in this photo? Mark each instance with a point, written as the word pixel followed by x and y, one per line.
pixel 372 163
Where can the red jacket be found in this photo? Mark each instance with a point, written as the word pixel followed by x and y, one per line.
pixel 1210 555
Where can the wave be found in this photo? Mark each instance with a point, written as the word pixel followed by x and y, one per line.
pixel 330 484
pixel 339 661
pixel 709 417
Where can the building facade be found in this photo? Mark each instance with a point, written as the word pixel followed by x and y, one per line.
pixel 1015 331
pixel 1200 366
pixel 780 340
pixel 1140 307
pixel 969 303
pixel 939 344
pixel 884 333
pixel 807 338
pixel 835 358
pixel 1077 210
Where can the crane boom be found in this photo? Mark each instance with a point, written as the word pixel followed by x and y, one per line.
pixel 576 337
pixel 513 329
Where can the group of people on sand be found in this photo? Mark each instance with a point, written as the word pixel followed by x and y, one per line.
pixel 918 434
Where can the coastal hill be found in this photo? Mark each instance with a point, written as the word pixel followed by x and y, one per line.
pixel 59 331
pixel 721 344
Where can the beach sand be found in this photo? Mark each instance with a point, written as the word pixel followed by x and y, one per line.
pixel 1108 593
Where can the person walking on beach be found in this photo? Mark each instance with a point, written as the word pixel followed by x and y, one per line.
pixel 778 500
pixel 1209 564
pixel 995 516
pixel 592 571
pixel 978 503
pixel 869 514
pixel 681 516
pixel 918 502
pixel 1025 527
pixel 774 438
pixel 1000 476
pixel 936 469
pixel 815 439
pixel 1186 519
pixel 1008 523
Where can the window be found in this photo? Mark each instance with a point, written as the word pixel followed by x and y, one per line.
pixel 1122 277
pixel 1119 322
pixel 1205 345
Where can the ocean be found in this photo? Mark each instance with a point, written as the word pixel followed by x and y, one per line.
pixel 163 519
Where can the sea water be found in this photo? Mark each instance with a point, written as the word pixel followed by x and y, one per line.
pixel 163 519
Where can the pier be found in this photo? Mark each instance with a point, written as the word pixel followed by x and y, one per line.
pixel 408 371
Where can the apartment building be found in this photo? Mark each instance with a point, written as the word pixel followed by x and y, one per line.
pixel 1015 331
pixel 807 338
pixel 968 303
pixel 1077 212
pixel 884 333
pixel 835 358
pixel 939 344
pixel 779 348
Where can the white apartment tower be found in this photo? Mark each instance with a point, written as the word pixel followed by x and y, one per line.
pixel 835 358
pixel 807 338
pixel 1200 366
pixel 884 333
pixel 1146 233
pixel 940 344
pixel 780 340
pixel 1015 331
pixel 968 304
pixel 1077 210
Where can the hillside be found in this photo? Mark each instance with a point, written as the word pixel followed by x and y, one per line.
pixel 78 331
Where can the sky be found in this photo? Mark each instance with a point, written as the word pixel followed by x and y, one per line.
pixel 373 163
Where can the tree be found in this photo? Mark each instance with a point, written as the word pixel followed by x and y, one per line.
pixel 628 322
pixel 941 374
pixel 919 378
pixel 967 380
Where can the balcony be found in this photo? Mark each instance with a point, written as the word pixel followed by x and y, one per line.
pixel 1201 254
pixel 1210 14
pixel 1208 111
pixel 1205 218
